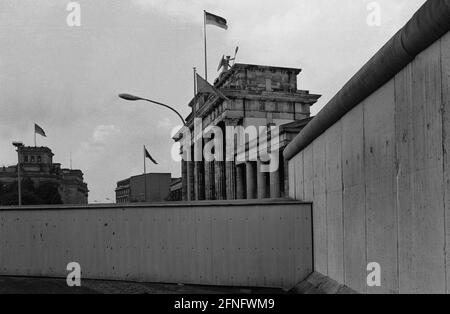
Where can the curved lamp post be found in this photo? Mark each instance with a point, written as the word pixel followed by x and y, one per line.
pixel 135 98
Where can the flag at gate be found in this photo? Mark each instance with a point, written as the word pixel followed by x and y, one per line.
pixel 216 20
pixel 39 130
pixel 147 155
pixel 203 87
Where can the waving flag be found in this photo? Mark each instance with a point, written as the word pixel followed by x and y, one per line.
pixel 216 20
pixel 39 130
pixel 211 19
pixel 205 88
pixel 147 155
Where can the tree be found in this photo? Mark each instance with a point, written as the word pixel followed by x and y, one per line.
pixel 49 193
pixel 46 194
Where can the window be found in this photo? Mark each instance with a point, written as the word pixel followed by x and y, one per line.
pixel 39 159
pixel 32 159
pixel 25 158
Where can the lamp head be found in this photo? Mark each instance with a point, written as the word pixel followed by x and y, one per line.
pixel 129 97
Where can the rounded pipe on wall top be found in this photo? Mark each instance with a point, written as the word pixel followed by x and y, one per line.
pixel 430 23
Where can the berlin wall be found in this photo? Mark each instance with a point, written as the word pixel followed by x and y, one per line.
pixel 238 243
pixel 378 171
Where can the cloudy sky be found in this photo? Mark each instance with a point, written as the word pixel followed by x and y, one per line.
pixel 67 78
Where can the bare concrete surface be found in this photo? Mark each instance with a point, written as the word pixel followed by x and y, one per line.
pixel 26 285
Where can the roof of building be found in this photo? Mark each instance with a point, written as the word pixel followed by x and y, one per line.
pixel 34 149
pixel 247 66
pixel 224 76
pixel 127 181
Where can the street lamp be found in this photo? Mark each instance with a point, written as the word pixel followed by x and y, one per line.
pixel 19 145
pixel 129 97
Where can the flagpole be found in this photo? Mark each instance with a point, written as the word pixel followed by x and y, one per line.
pixel 206 55
pixel 195 82
pixel 35 138
pixel 145 177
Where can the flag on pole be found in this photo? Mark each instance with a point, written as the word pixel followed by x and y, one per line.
pixel 147 155
pixel 39 130
pixel 204 87
pixel 212 19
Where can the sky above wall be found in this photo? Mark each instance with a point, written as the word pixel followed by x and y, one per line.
pixel 67 79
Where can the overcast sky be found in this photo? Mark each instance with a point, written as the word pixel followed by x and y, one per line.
pixel 67 79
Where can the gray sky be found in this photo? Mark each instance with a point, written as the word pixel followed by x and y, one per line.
pixel 67 79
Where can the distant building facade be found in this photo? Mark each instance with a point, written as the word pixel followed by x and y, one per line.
pixel 36 164
pixel 258 96
pixel 132 190
pixel 176 190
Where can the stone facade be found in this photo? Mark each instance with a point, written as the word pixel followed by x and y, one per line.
pixel 37 164
pixel 256 96
pixel 133 190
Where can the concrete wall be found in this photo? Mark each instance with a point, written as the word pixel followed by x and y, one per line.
pixel 379 180
pixel 222 243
